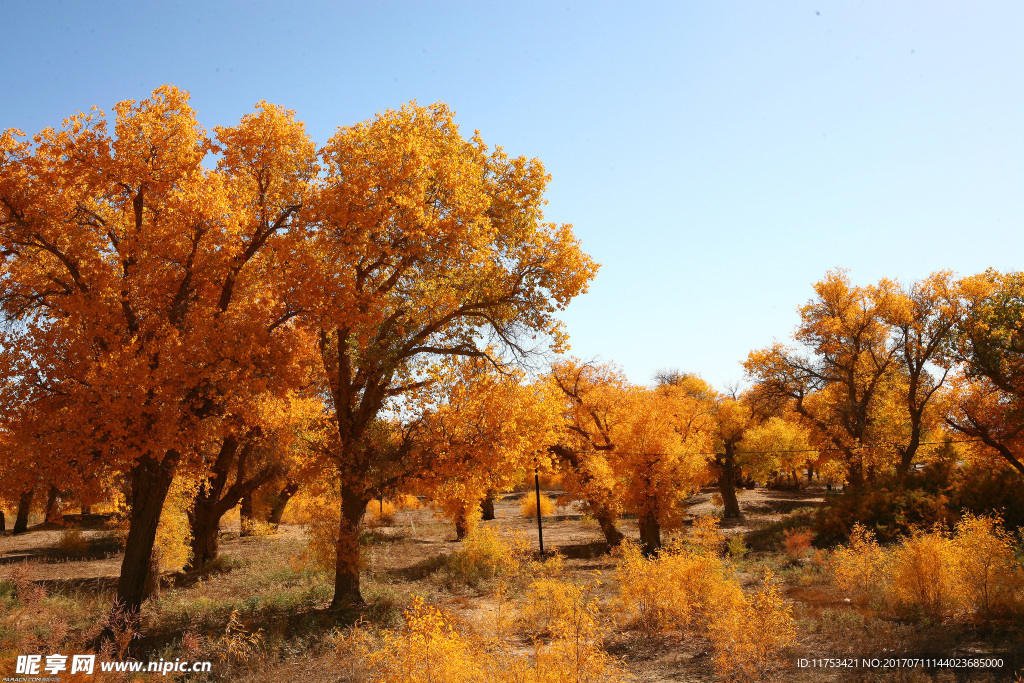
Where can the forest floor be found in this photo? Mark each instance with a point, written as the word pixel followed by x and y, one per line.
pixel 264 585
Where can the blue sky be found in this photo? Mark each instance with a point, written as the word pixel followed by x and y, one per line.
pixel 716 158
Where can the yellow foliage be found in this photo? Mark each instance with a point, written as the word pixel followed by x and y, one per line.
pixel 485 555
pixel 689 590
pixel 174 535
pixel 407 501
pixel 969 573
pixel 322 535
pixel 433 648
pixel 558 609
pixel 239 643
pixel 528 505
pixel 749 632
pixel 380 513
pixel 706 535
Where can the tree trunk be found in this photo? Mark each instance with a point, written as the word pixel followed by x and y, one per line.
pixel 487 506
pixel 606 519
pixel 810 473
pixel 246 517
pixel 150 481
pixel 3 522
pixel 650 535
pixel 346 570
pixel 151 588
pixel 50 514
pixel 461 528
pixel 281 501
pixel 86 509
pixel 727 484
pixel 205 526
pixel 24 505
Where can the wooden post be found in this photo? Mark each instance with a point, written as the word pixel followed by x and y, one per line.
pixel 540 527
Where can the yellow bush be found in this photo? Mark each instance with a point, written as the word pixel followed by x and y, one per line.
pixel 256 527
pixel 705 535
pixel 173 545
pixel 433 648
pixel 485 554
pixel 671 592
pixel 689 590
pixel 991 582
pixel 558 609
pixel 380 513
pixel 528 506
pixel 969 573
pixel 322 535
pixel 748 632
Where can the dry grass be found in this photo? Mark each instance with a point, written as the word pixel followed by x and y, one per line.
pixel 261 616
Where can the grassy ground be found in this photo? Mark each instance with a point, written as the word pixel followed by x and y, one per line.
pixel 261 612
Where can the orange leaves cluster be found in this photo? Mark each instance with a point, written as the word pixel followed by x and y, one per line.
pixel 146 280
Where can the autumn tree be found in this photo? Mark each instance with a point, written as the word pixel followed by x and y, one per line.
pixel 987 400
pixel 835 380
pixel 422 245
pixel 592 407
pixel 257 448
pixel 923 318
pixel 626 447
pixel 141 287
pixel 486 428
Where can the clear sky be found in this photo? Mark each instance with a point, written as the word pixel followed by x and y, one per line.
pixel 716 157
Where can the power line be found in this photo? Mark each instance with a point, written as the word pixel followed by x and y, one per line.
pixel 800 450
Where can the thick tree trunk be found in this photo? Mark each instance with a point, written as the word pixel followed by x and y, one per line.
pixel 346 570
pixel 246 518
pixel 3 522
pixel 607 521
pixel 810 473
pixel 487 506
pixel 727 484
pixel 461 528
pixel 50 514
pixel 204 520
pixel 650 535
pixel 212 500
pixel 24 506
pixel 281 501
pixel 86 510
pixel 150 481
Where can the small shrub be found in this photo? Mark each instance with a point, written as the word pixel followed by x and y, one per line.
pixel 706 536
pixel 967 574
pixel 485 555
pixel 257 527
pixel 558 609
pixel 73 543
pixel 239 644
pixel 528 506
pixel 737 548
pixel 380 513
pixel 689 590
pixel 796 543
pixel 432 647
pixel 750 631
